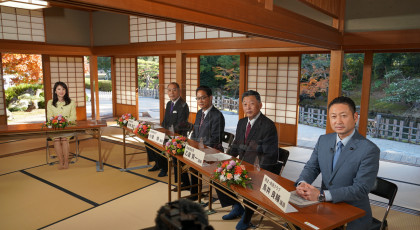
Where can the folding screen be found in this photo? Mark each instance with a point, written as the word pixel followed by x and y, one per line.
pixel 151 30
pixel 276 79
pixel 3 115
pixel 191 82
pixel 70 70
pixel 126 86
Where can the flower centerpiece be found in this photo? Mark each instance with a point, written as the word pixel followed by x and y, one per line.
pixel 142 129
pixel 233 172
pixel 123 120
pixel 176 145
pixel 57 122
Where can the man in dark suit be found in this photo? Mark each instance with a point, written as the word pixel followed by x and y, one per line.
pixel 256 137
pixel 176 117
pixel 209 126
pixel 349 164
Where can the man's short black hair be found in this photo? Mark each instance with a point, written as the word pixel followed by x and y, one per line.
pixel 343 100
pixel 252 93
pixel 205 89
pixel 175 84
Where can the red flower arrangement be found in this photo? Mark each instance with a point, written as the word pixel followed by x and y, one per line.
pixel 142 129
pixel 57 122
pixel 123 120
pixel 233 172
pixel 176 145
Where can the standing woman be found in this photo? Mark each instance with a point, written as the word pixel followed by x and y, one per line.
pixel 61 104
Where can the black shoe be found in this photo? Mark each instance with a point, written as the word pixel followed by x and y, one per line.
pixel 154 168
pixel 193 198
pixel 162 173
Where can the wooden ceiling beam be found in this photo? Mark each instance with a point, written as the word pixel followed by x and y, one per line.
pixel 20 47
pixel 398 40
pixel 240 16
pixel 229 45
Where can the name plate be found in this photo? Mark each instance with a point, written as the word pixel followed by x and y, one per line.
pixel 132 124
pixel 194 155
pixel 277 194
pixel 156 136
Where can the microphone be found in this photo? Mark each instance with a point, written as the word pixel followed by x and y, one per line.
pixel 332 150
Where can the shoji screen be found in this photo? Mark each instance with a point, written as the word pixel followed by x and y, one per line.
pixel 191 82
pixel 70 70
pixel 21 24
pixel 276 79
pixel 126 86
pixel 151 30
pixel 197 32
pixel 169 70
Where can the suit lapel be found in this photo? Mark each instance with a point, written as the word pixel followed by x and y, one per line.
pixel 346 153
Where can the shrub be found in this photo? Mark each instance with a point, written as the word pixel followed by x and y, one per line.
pixel 103 85
pixel 16 91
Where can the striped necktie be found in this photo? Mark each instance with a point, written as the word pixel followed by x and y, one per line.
pixel 337 153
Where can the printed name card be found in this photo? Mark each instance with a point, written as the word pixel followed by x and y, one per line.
pixel 194 155
pixel 156 136
pixel 132 124
pixel 277 194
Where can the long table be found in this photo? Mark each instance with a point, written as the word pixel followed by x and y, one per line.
pixel 35 130
pixel 323 215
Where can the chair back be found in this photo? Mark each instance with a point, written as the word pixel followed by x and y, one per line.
pixel 190 128
pixel 283 157
pixel 227 140
pixel 387 190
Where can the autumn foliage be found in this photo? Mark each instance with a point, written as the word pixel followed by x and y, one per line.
pixel 27 68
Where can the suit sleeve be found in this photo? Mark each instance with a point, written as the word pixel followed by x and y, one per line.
pixel 181 126
pixel 72 115
pixel 217 130
pixel 364 180
pixel 164 117
pixel 269 147
pixel 311 170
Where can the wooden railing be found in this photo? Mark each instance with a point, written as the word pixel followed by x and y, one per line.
pixel 378 127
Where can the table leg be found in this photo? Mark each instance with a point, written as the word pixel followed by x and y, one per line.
pixel 101 165
pixel 169 178
pixel 124 151
pixel 179 172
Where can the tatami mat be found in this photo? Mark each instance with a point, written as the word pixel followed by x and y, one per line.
pixel 27 203
pixel 35 195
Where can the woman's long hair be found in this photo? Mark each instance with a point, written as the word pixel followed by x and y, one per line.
pixel 66 96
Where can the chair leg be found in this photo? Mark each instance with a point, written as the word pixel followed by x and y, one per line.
pixel 259 222
pixel 76 155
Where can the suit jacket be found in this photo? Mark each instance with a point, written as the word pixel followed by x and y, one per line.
pixel 178 117
pixel 354 174
pixel 262 141
pixel 211 130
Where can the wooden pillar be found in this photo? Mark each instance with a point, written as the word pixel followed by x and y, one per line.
pixel 364 103
pixel 94 87
pixel 243 82
pixel 46 73
pixel 3 118
pixel 334 86
pixel 180 71
pixel 114 88
pixel 162 88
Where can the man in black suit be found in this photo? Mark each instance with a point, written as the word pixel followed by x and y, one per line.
pixel 256 137
pixel 176 116
pixel 209 126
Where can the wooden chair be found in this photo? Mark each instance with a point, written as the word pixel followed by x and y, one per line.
pixel 227 140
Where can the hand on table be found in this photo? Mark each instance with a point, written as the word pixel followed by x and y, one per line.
pixel 307 191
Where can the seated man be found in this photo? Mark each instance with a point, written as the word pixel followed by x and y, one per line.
pixel 348 162
pixel 209 126
pixel 176 116
pixel 256 136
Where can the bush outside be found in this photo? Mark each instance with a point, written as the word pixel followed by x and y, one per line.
pixel 104 85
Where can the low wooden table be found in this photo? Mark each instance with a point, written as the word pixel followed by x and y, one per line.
pixel 35 130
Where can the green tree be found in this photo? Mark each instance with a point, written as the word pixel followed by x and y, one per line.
pixel 104 63
pixel 148 72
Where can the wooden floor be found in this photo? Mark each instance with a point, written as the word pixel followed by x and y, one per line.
pixel 34 195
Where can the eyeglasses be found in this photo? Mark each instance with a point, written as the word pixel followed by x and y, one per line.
pixel 201 98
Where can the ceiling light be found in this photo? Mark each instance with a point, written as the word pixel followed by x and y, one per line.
pixel 25 4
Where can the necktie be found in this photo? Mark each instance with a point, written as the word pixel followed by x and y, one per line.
pixel 202 118
pixel 172 106
pixel 248 129
pixel 337 153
